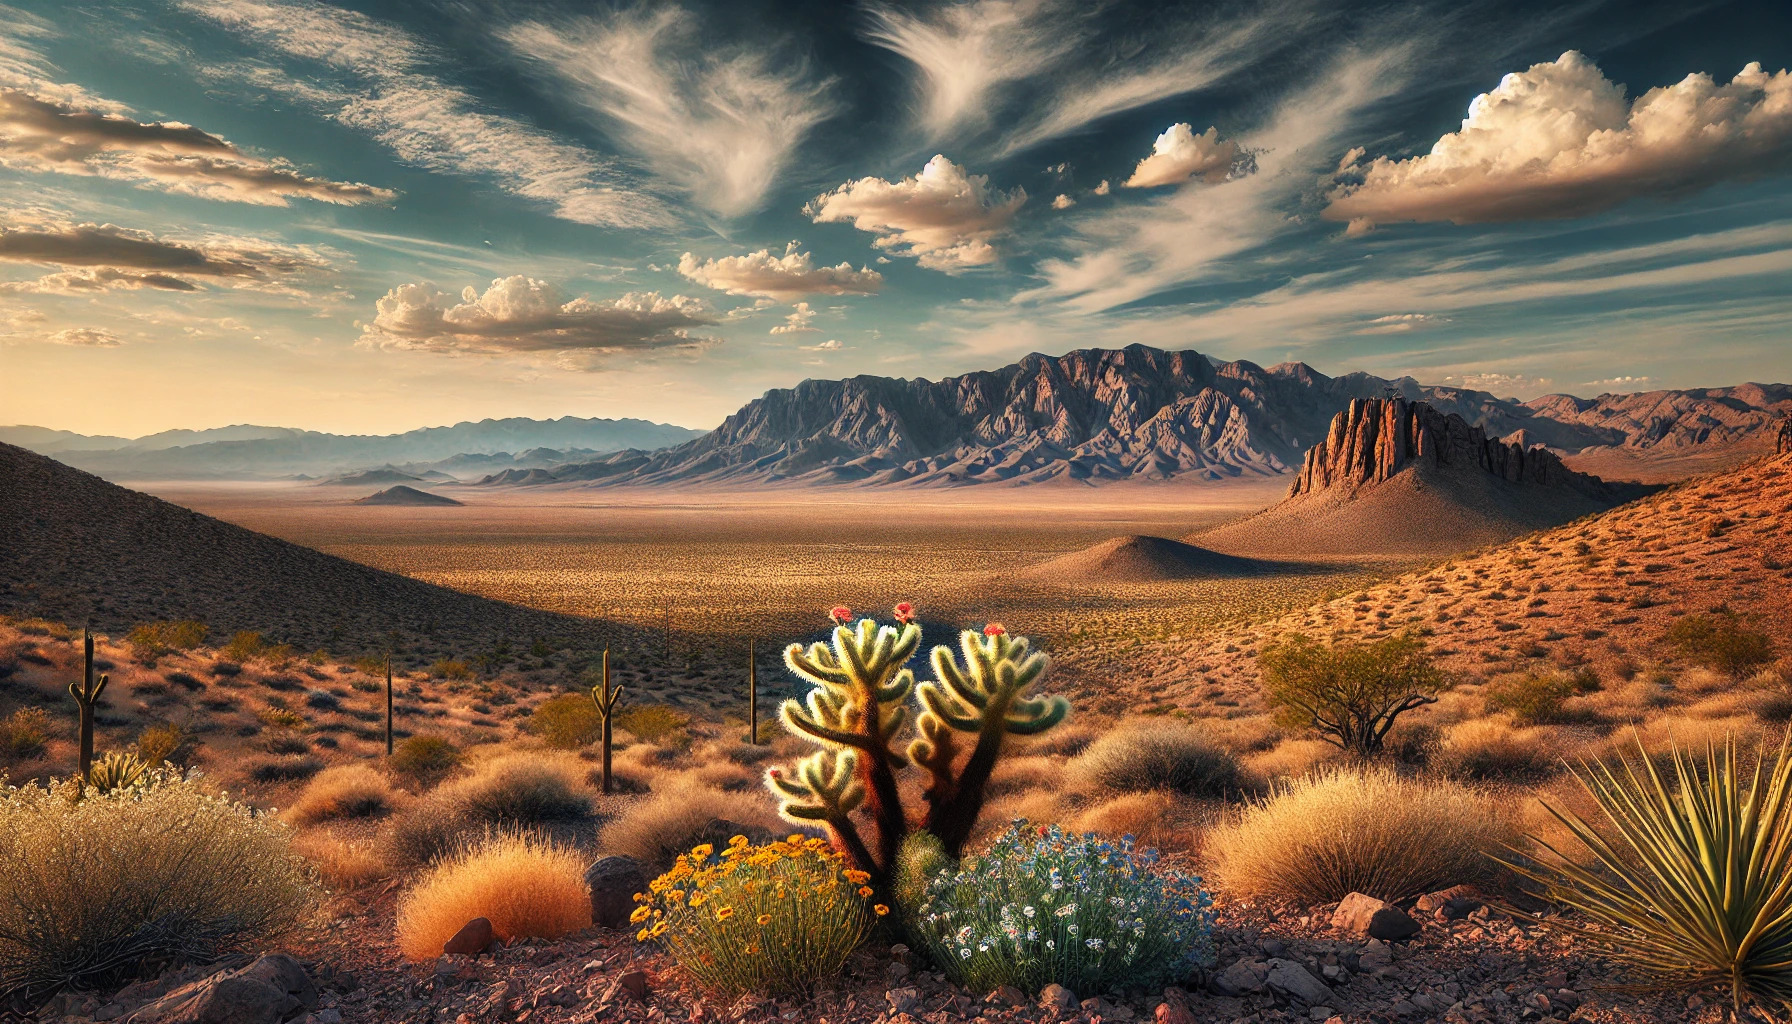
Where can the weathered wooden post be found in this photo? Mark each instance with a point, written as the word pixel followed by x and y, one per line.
pixel 87 694
pixel 605 699
pixel 388 703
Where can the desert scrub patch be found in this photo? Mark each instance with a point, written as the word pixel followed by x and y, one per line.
pixel 1139 758
pixel 97 891
pixel 656 723
pixel 522 788
pixel 151 640
pixel 343 864
pixel 566 721
pixel 164 743
pixel 1318 839
pixel 1540 698
pixel 343 791
pixel 1493 750
pixel 24 734
pixel 1719 640
pixel 449 668
pixel 657 829
pixel 290 768
pixel 1042 906
pixel 526 886
pixel 773 919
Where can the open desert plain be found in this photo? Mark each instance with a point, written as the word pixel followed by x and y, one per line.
pixel 911 512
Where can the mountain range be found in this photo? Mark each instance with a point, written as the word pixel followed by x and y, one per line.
pixel 256 452
pixel 1141 413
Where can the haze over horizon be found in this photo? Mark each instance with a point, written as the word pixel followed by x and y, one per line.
pixel 374 216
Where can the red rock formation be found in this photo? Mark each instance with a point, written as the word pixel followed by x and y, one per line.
pixel 1784 444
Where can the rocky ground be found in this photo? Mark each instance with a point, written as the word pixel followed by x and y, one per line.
pixel 1463 962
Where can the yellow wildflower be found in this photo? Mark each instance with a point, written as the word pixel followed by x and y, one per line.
pixel 858 877
pixel 725 913
pixel 880 908
pixel 640 914
pixel 864 890
pixel 702 850
pixel 764 919
pixel 642 935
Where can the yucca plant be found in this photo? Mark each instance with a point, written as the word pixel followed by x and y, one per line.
pixel 1691 874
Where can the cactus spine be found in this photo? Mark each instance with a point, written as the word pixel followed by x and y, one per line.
pixel 860 703
pixel 606 698
pixel 87 693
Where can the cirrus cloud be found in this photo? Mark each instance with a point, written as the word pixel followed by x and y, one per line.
pixel 1179 155
pixel 520 314
pixel 944 217
pixel 84 337
pixel 790 276
pixel 1559 140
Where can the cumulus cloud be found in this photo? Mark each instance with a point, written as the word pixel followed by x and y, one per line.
pixel 1620 383
pixel 1104 188
pixel 384 92
pixel 721 122
pixel 87 337
pixel 1179 155
pixel 43 135
pixel 1401 323
pixel 943 217
pixel 1559 140
pixel 830 345
pixel 797 322
pixel 520 314
pixel 95 257
pixel 1510 383
pixel 1062 202
pixel 790 276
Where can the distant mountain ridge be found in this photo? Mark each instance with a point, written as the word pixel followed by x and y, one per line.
pixel 1135 413
pixel 256 452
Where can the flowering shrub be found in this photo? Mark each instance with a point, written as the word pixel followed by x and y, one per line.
pixel 770 919
pixel 1041 905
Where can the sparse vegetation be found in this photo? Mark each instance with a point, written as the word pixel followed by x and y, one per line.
pixel 658 828
pixel 1140 758
pixel 1349 692
pixel 151 640
pixel 567 721
pixel 24 734
pixel 524 885
pixel 425 759
pixel 343 791
pixel 1720 641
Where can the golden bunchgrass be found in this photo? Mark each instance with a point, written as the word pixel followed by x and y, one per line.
pixel 342 863
pixel 658 828
pixel 771 919
pixel 524 885
pixel 1325 836
pixel 344 791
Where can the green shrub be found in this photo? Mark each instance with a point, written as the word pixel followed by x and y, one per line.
pixel 151 640
pixel 1688 880
pixel 1533 699
pixel 771 920
pixel 1181 759
pixel 1043 906
pixel 1320 838
pixel 426 759
pixel 653 723
pixel 1720 641
pixel 243 646
pixel 448 668
pixel 567 721
pixel 163 742
pixel 99 891
pixel 1349 692
pixel 24 734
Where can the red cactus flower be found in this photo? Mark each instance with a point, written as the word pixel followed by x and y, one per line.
pixel 994 629
pixel 776 773
pixel 905 612
pixel 840 613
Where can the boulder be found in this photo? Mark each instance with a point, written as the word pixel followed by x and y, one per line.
pixel 1290 979
pixel 1378 919
pixel 474 938
pixel 1057 997
pixel 271 990
pixel 1240 979
pixel 614 881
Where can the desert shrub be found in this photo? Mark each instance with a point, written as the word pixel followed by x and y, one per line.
pixel 163 742
pixel 524 885
pixel 1687 880
pixel 151 640
pixel 292 768
pixel 1492 750
pixel 24 734
pixel 341 863
pixel 1533 699
pixel 1140 758
pixel 448 668
pixel 1349 692
pixel 659 828
pixel 1157 819
pixel 97 891
pixel 243 646
pixel 425 830
pixel 654 723
pixel 427 759
pixel 1323 837
pixel 522 788
pixel 1043 906
pixel 567 721
pixel 772 919
pixel 344 791
pixel 282 718
pixel 1720 641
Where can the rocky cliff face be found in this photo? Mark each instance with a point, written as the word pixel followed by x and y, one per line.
pixel 1375 438
pixel 1783 445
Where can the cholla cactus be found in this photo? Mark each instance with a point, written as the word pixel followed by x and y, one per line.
pixel 858 707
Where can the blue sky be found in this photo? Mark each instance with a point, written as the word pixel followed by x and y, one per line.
pixel 367 217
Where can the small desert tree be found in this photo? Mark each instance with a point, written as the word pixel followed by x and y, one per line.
pixel 1350 692
pixel 859 708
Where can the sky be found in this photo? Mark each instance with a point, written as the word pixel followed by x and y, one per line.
pixel 366 217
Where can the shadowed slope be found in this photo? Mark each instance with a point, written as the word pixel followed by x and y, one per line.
pixel 403 495
pixel 1141 559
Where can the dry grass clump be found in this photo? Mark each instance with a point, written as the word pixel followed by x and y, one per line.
pixel 524 885
pixel 1145 757
pixel 1291 758
pixel 97 891
pixel 24 735
pixel 1157 819
pixel 658 828
pixel 1491 749
pixel 290 768
pixel 342 863
pixel 425 759
pixel 523 788
pixel 566 721
pixel 1320 838
pixel 345 791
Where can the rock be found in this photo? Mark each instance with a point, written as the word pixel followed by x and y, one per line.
pixel 330 1016
pixel 1242 978
pixel 1006 995
pixel 1294 981
pixel 903 1000
pixel 614 881
pixel 271 990
pixel 1366 915
pixel 1452 904
pixel 1174 1013
pixel 1375 956
pixel 1057 997
pixel 474 937
pixel 1783 441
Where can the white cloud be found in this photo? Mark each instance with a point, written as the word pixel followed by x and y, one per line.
pixel 790 276
pixel 1498 383
pixel 1402 323
pixel 85 337
pixel 943 216
pixel 1620 383
pixel 1179 154
pixel 1062 202
pixel 522 314
pixel 797 322
pixel 1104 188
pixel 422 119
pixel 45 135
pixel 1559 140
pixel 722 123
pixel 830 345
